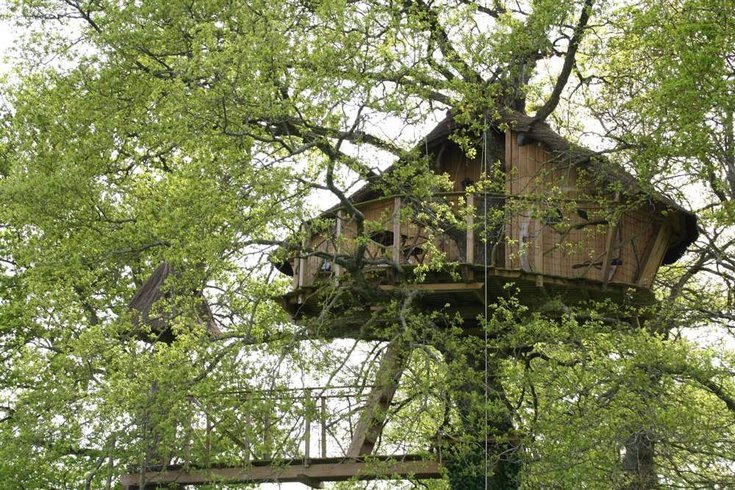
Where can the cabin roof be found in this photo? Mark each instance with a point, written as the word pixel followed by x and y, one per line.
pixel 151 292
pixel 572 154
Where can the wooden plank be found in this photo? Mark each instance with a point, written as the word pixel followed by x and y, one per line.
pixel 523 170
pixel 294 472
pixel 302 267
pixel 470 254
pixel 307 428
pixel 508 164
pixel 612 232
pixel 309 481
pixel 373 417
pixel 438 287
pixel 538 169
pixel 655 256
pixel 323 423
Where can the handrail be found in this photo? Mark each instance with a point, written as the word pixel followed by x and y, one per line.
pixel 499 195
pixel 317 424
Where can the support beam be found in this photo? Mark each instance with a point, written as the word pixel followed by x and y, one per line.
pixel 373 417
pixel 320 470
pixel 309 481
pixel 654 256
pixel 437 287
pixel 612 233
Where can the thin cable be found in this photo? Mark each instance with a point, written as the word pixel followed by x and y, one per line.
pixel 485 262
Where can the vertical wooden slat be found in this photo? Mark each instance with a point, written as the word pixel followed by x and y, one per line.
pixel 323 420
pixel 612 232
pixel 524 171
pixel 307 426
pixel 538 175
pixel 538 247
pixel 302 268
pixel 470 255
pixel 267 437
pixel 397 230
pixel 337 239
pixel 246 437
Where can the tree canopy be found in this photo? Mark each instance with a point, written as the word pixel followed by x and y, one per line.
pixel 207 136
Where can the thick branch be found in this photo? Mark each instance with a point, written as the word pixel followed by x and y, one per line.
pixel 494 12
pixel 440 36
pixel 569 61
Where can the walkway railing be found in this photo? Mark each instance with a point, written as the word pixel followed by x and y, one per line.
pixel 278 425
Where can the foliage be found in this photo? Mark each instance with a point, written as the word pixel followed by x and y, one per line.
pixel 209 136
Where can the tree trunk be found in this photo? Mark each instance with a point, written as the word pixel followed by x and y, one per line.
pixel 484 453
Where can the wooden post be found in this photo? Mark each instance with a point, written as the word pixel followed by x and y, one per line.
pixel 470 255
pixel 307 427
pixel 397 230
pixel 323 419
pixel 267 437
pixel 373 417
pixel 337 237
pixel 302 267
pixel 207 440
pixel 248 452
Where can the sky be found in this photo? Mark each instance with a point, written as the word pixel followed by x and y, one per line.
pixel 8 36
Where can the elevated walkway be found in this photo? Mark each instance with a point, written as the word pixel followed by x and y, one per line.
pixel 272 437
pixel 312 472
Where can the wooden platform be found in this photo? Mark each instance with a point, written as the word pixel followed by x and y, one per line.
pixel 464 294
pixel 308 472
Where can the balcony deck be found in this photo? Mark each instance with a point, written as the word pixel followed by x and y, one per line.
pixel 585 244
pixel 464 294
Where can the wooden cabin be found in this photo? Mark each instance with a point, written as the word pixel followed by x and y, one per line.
pixel 557 215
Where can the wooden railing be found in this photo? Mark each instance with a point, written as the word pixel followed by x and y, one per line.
pixel 580 238
pixel 393 234
pixel 281 425
pixel 287 435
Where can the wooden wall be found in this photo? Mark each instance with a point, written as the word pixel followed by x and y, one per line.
pixel 454 162
pixel 564 223
pixel 558 222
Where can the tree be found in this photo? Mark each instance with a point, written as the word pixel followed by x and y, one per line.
pixel 202 134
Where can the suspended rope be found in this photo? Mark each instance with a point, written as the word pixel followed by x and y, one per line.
pixel 485 270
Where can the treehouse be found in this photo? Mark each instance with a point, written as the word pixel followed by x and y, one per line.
pixel 531 209
pixel 527 209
